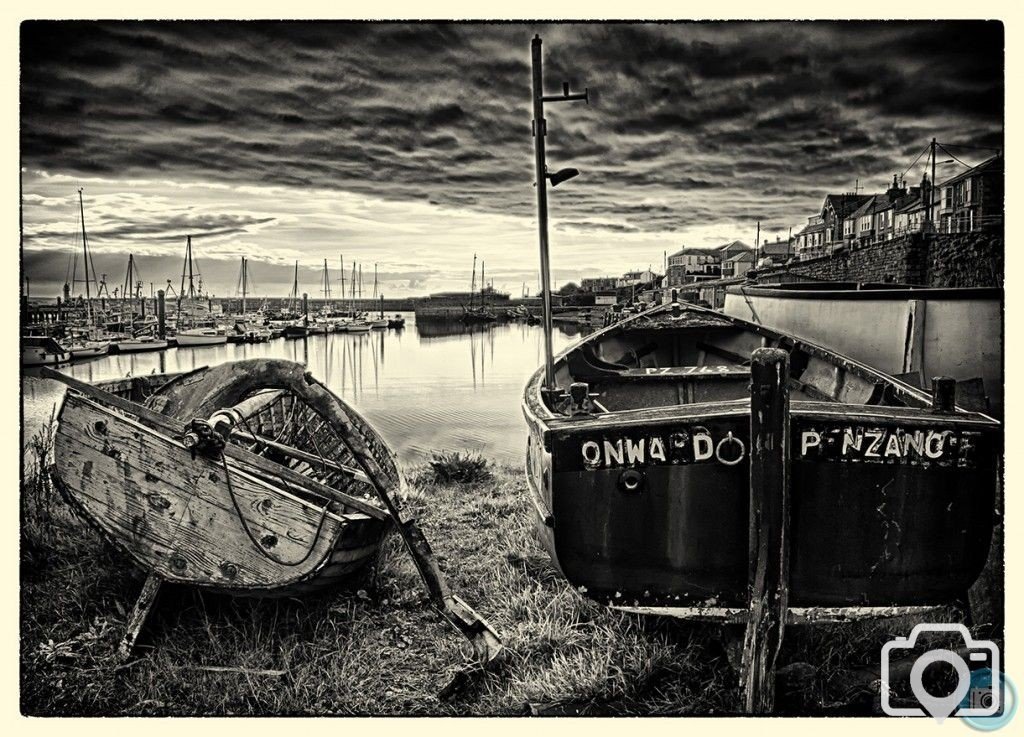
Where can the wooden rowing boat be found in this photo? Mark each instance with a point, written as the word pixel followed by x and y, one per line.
pixel 220 521
pixel 250 478
pixel 639 470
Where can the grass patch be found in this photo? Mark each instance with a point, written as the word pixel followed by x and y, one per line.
pixel 458 468
pixel 378 648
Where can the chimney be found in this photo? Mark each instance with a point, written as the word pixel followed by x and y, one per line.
pixel 895 191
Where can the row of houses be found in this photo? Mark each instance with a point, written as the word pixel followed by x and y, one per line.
pixel 727 261
pixel 967 202
pixel 627 280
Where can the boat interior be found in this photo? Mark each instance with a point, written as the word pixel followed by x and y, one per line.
pixel 278 416
pixel 663 360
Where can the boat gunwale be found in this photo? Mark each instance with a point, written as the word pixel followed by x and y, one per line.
pixel 537 412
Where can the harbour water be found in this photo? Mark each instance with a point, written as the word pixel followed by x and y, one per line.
pixel 437 386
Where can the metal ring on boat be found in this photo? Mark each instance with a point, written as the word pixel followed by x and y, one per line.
pixel 630 480
pixel 730 439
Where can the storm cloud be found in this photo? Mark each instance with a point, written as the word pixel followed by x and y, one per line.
pixel 693 128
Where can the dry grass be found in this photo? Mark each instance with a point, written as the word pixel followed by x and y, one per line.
pixel 375 649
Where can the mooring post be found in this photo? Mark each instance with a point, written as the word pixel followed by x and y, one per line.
pixel 161 314
pixel 305 309
pixel 943 394
pixel 768 579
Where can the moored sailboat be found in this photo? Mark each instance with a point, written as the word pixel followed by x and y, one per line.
pixel 189 334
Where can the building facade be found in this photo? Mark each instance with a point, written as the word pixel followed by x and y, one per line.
pixel 969 201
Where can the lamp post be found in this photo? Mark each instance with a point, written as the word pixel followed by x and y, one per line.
pixel 539 132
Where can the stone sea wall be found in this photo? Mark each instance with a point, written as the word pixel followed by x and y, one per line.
pixel 944 260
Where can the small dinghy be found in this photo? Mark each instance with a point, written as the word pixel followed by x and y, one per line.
pixel 249 478
pixel 639 466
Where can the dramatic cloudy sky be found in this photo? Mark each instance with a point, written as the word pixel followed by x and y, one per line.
pixel 409 145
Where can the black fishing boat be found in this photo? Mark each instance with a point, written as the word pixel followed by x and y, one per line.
pixel 639 470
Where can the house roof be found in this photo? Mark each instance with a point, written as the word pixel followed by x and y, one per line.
pixel 910 204
pixel 844 204
pixel 743 256
pixel 812 228
pixel 694 251
pixel 863 209
pixel 996 162
pixel 731 245
pixel 881 203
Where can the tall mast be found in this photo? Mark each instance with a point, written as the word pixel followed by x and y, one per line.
pixel 128 293
pixel 352 290
pixel 244 285
pixel 483 282
pixel 360 283
pixel 85 249
pixel 295 287
pixel 472 284
pixel 375 280
pixel 184 268
pixel 341 263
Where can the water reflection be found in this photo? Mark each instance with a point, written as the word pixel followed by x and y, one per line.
pixel 437 385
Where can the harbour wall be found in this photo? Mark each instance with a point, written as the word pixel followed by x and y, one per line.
pixel 941 260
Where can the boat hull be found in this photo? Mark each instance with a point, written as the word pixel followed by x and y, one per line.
pixel 940 332
pixel 90 351
pixel 140 346
pixel 32 356
pixel 218 523
pixel 901 530
pixel 192 341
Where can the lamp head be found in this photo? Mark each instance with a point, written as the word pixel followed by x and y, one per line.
pixel 563 175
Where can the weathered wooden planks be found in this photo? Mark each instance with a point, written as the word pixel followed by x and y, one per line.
pixel 174 514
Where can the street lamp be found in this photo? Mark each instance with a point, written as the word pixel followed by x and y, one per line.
pixel 539 132
pixel 563 175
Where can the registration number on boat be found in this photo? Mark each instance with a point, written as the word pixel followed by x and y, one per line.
pixel 892 445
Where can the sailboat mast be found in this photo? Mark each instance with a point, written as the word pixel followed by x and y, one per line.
pixel 295 288
pixel 352 289
pixel 244 285
pixel 85 249
pixel 341 262
pixel 483 282
pixel 472 284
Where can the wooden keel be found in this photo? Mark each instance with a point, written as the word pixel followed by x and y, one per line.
pixel 769 527
pixel 140 612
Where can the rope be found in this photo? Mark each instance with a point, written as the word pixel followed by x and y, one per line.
pixel 256 543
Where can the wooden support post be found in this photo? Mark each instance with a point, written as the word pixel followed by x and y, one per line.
pixel 305 308
pixel 143 605
pixel 769 526
pixel 943 394
pixel 161 314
